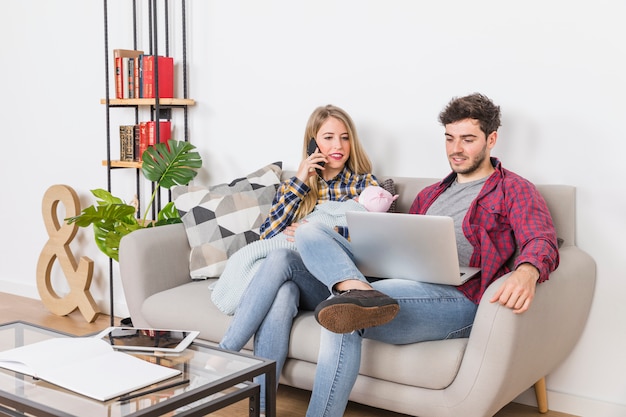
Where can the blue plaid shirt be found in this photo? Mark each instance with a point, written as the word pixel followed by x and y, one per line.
pixel 290 193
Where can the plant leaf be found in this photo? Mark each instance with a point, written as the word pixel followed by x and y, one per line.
pixel 169 211
pixel 104 214
pixel 168 221
pixel 108 235
pixel 111 222
pixel 169 167
pixel 106 197
pixel 168 215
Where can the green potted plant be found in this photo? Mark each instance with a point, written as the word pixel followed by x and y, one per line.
pixel 166 165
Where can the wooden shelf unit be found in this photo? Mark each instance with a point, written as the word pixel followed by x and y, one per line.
pixel 159 108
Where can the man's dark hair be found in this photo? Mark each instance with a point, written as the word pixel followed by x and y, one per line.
pixel 475 106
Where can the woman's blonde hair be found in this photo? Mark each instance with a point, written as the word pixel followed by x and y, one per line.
pixel 358 162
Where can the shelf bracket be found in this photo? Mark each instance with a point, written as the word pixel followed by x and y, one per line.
pixel 165 113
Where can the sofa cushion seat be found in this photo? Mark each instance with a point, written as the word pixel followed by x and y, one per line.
pixel 187 307
pixel 432 365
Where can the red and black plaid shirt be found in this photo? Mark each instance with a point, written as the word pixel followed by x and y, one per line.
pixel 507 214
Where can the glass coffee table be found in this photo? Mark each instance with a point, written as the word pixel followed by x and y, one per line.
pixel 216 378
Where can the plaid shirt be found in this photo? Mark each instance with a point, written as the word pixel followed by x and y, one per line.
pixel 508 213
pixel 345 186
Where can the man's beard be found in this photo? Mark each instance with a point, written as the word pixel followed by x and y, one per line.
pixel 476 164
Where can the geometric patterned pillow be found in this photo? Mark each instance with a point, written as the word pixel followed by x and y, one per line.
pixel 221 219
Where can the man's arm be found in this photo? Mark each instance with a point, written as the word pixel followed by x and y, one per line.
pixel 536 238
pixel 518 290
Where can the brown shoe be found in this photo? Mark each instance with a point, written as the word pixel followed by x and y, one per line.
pixel 356 309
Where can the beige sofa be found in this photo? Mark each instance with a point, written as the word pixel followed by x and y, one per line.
pixel 474 377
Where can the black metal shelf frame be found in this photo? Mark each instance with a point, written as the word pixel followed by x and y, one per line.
pixel 157 111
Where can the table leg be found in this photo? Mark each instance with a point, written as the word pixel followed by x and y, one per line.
pixel 270 391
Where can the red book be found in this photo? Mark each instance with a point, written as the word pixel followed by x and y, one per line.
pixel 147 62
pixel 143 139
pixel 136 76
pixel 147 134
pixel 165 131
pixel 118 77
pixel 166 77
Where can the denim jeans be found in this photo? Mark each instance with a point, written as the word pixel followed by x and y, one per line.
pixel 266 310
pixel 427 312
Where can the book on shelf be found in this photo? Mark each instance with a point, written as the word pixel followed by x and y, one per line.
pixel 147 134
pixel 121 59
pixel 165 76
pixel 127 142
pixel 125 77
pixel 142 139
pixel 131 77
pixel 136 131
pixel 135 75
pixel 165 133
pixel 86 365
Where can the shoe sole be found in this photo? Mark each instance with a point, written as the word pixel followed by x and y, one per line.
pixel 346 318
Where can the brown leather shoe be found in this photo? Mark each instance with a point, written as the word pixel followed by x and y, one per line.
pixel 356 309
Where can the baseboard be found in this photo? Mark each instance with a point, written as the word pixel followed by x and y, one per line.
pixel 574 405
pixel 22 290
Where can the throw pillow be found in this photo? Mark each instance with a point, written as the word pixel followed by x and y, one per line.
pixel 223 218
pixel 390 186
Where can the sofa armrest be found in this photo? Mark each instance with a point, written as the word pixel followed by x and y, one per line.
pixel 507 353
pixel 152 260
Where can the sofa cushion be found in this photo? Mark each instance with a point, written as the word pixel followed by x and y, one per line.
pixel 163 310
pixel 222 218
pixel 390 186
pixel 431 365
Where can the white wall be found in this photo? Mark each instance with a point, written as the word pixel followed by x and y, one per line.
pixel 257 69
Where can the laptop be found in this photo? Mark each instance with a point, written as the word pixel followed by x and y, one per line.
pixel 406 246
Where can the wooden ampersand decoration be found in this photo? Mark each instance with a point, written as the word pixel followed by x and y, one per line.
pixel 78 275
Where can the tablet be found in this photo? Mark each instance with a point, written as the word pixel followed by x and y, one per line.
pixel 153 340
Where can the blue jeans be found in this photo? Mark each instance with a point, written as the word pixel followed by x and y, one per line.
pixel 427 312
pixel 266 310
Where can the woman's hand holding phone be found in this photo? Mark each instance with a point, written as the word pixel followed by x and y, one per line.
pixel 314 163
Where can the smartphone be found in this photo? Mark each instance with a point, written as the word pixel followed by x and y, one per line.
pixel 312 146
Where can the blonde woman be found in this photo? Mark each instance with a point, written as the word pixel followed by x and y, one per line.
pixel 335 169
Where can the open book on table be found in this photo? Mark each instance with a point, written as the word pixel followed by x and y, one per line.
pixel 85 365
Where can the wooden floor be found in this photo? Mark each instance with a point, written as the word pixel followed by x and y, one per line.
pixel 292 402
